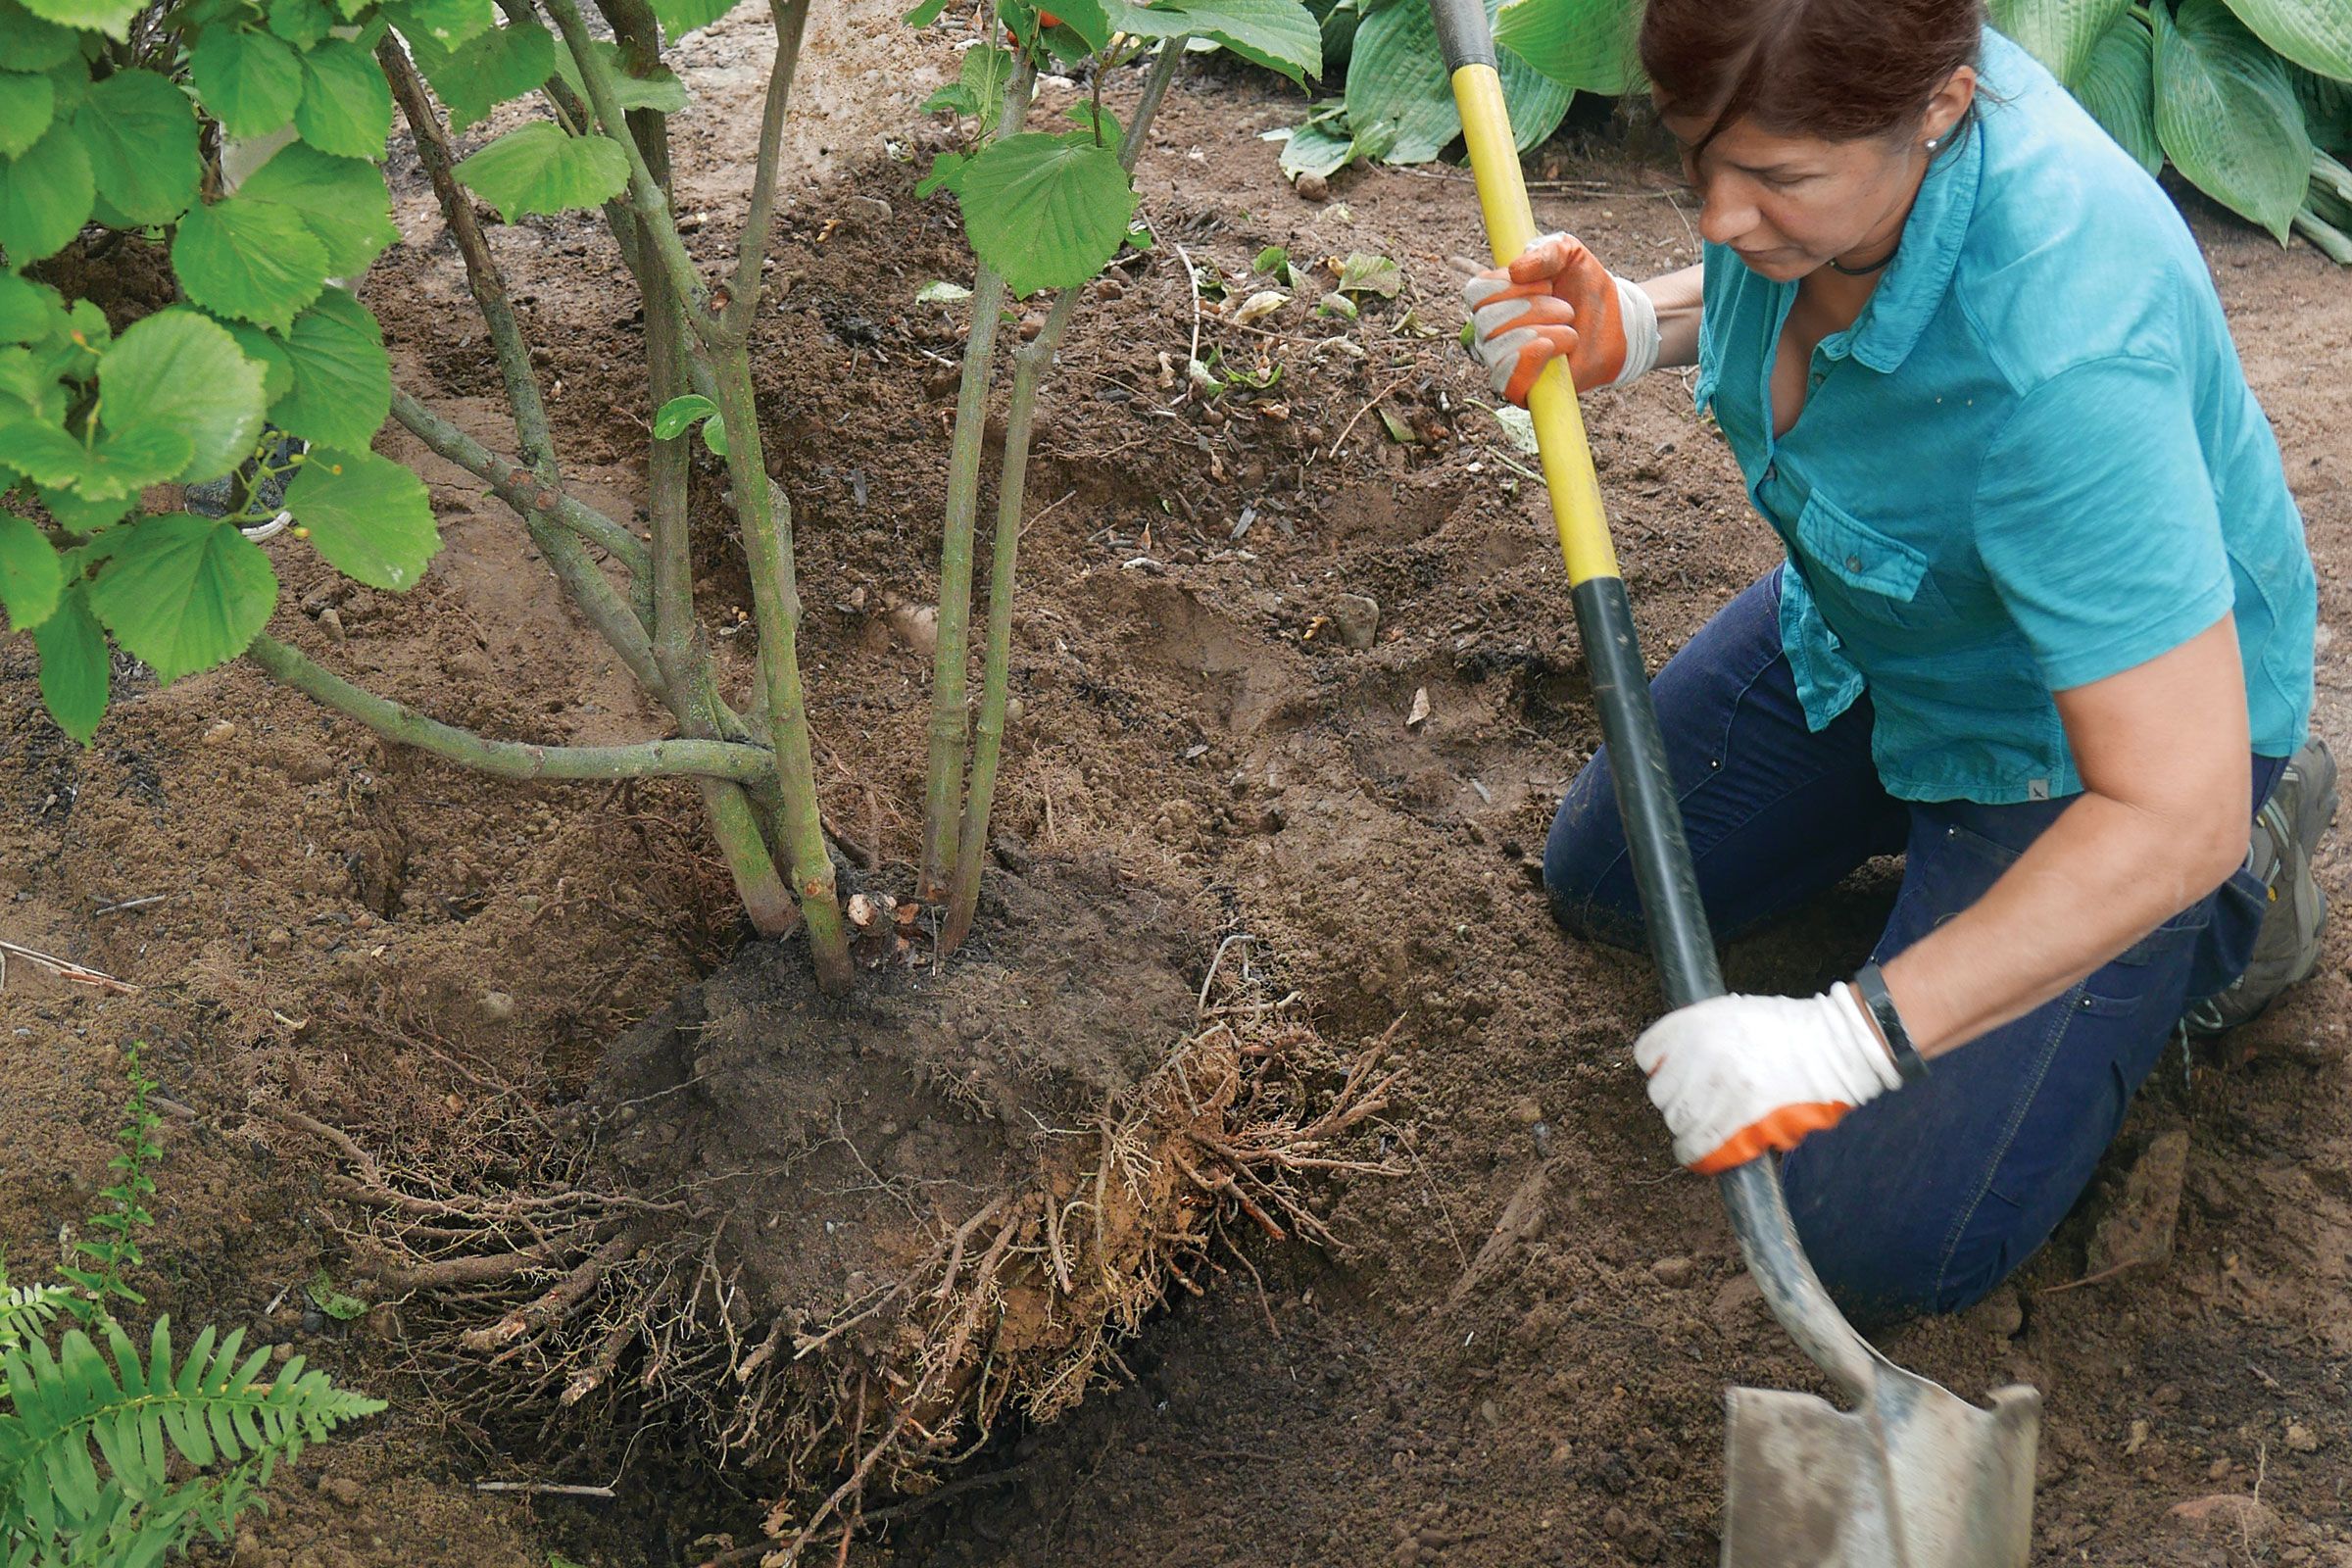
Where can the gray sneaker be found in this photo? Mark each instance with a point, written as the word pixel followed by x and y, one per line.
pixel 2286 833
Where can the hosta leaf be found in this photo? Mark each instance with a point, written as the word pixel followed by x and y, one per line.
pixel 141 136
pixel 27 106
pixel 177 371
pixel 1044 212
pixel 1398 94
pixel 502 63
pixel 29 576
pixel 342 377
pixel 679 18
pixel 540 169
pixel 110 16
pixel 2227 115
pixel 2119 88
pixel 368 517
pixel 1316 148
pixel 75 670
pixel 46 195
pixel 662 91
pixel 341 201
pixel 2060 33
pixel 27 43
pixel 1280 35
pixel 254 260
pixel 346 106
pixel 2316 34
pixel 183 593
pixel 251 82
pixel 1585 44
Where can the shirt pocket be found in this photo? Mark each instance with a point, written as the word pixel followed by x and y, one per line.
pixel 1882 578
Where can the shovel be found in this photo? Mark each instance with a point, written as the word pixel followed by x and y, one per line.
pixel 1913 1475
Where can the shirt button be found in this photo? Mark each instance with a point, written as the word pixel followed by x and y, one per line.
pixel 1853 562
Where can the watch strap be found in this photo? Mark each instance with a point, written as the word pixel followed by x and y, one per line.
pixel 1870 986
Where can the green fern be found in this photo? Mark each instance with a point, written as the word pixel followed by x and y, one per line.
pixel 26 1311
pixel 115 1248
pixel 86 1445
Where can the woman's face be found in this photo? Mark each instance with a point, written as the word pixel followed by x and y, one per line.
pixel 1788 204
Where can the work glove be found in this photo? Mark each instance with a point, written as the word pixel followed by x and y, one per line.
pixel 1558 299
pixel 1737 1075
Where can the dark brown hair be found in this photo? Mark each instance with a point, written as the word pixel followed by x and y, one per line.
pixel 1839 70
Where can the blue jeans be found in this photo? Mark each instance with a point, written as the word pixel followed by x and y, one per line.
pixel 1922 1201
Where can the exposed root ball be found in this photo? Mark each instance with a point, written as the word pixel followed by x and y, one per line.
pixel 842 1242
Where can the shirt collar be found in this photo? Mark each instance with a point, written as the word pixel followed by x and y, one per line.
pixel 1921 273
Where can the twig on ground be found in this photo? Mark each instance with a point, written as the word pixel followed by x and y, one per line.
pixel 64 970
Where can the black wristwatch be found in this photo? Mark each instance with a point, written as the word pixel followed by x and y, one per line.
pixel 1870 986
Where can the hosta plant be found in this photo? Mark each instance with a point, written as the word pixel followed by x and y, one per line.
pixel 2250 100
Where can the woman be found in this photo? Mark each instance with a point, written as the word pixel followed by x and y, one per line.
pixel 2046 626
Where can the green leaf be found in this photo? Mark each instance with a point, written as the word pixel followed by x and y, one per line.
pixel 341 201
pixel 1043 213
pixel 2060 33
pixel 679 18
pixel 1317 148
pixel 2326 110
pixel 673 418
pixel 116 464
pixel 501 65
pixel 1365 274
pixel 924 14
pixel 1282 35
pixel 1100 123
pixel 81 516
pixel 31 579
pixel 177 371
pixel 1272 259
pixel 539 169
pixel 29 310
pixel 141 136
pixel 1398 91
pixel 110 16
pixel 251 82
pixel 448 23
pixel 27 43
pixel 1085 22
pixel 2119 88
pixel 946 174
pixel 75 672
pixel 27 106
pixel 368 516
pixel 1584 44
pixel 939 291
pixel 2316 34
pixel 662 91
pixel 184 593
pixel 254 260
pixel 46 195
pixel 268 355
pixel 346 106
pixel 985 71
pixel 300 23
pixel 342 376
pixel 2227 115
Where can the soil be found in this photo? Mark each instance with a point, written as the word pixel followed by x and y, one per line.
pixel 1516 1352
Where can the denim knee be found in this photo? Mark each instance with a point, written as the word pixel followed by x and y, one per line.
pixel 1588 875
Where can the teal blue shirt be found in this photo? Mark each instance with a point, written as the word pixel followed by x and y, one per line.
pixel 2032 462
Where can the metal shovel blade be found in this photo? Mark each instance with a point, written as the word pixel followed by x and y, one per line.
pixel 1916 1478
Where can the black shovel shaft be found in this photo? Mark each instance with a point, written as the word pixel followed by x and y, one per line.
pixel 1679 938
pixel 1629 722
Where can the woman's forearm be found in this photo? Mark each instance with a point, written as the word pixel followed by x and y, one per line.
pixel 1677 295
pixel 2104 875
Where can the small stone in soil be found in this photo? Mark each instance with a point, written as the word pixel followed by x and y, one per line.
pixel 330 621
pixel 1527 1110
pixel 497 1007
pixel 1356 619
pixel 2301 1437
pixel 1673 1272
pixel 1312 188
pixel 343 1490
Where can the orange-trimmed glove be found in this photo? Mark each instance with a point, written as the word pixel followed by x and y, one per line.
pixel 1737 1075
pixel 1557 300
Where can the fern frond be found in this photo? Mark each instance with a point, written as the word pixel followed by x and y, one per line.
pixel 86 1445
pixel 26 1311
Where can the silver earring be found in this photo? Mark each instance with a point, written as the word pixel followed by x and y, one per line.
pixel 1934 142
